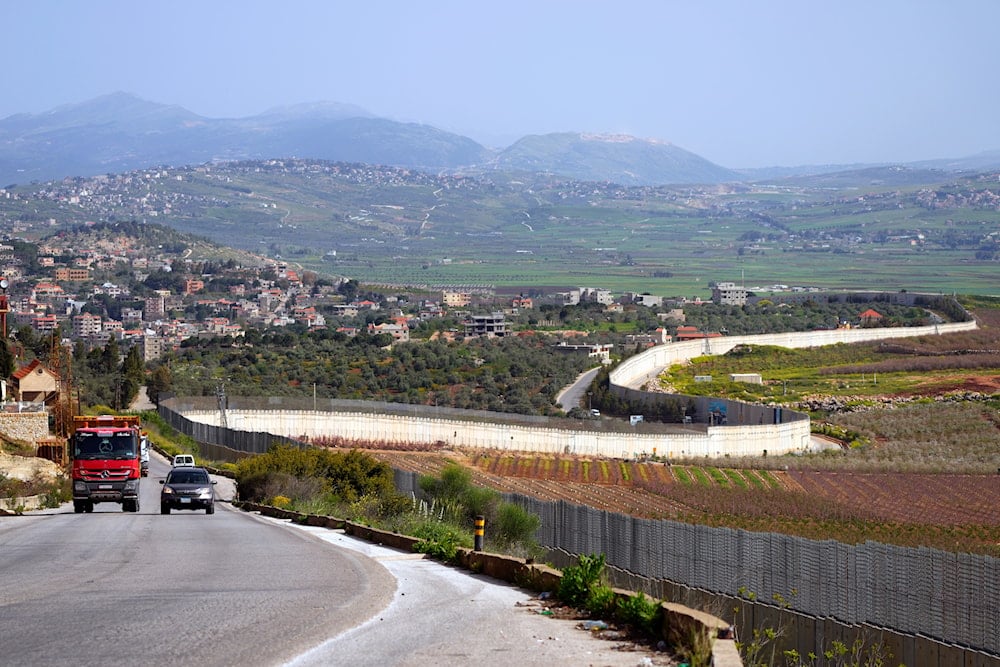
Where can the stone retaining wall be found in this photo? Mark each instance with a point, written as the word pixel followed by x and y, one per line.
pixel 27 426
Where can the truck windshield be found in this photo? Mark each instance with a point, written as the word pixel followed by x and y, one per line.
pixel 87 445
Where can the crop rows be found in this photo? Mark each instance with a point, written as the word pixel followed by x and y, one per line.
pixel 951 512
pixel 945 500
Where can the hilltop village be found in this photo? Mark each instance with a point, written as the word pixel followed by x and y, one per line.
pixel 155 299
pixel 104 285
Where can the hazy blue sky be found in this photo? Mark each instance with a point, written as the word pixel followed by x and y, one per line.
pixel 740 83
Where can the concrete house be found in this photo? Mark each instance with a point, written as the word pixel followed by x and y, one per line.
pixel 35 383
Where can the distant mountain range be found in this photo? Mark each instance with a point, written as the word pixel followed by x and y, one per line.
pixel 120 132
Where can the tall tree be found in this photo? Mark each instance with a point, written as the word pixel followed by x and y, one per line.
pixel 133 366
pixel 110 357
pixel 7 361
pixel 160 382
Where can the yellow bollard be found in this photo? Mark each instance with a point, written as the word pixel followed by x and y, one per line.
pixel 480 531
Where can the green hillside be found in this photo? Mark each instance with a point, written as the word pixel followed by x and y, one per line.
pixel 399 226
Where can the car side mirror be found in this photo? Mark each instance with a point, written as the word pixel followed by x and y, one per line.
pixel 215 481
pixel 163 481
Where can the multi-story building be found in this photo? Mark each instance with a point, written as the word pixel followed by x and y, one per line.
pixel 490 326
pixel 648 300
pixel 152 347
pixel 44 323
pixel 596 295
pixel 522 303
pixel 729 294
pixel 399 330
pixel 456 299
pixel 600 351
pixel 86 325
pixel 68 274
pixel 153 308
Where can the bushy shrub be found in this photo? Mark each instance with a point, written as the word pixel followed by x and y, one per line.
pixel 601 600
pixel 440 540
pixel 514 525
pixel 348 475
pixel 462 502
pixel 579 580
pixel 645 614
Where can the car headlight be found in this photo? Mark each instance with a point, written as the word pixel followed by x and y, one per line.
pixel 205 492
pixel 167 490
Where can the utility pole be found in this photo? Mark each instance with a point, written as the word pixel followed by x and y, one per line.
pixel 220 394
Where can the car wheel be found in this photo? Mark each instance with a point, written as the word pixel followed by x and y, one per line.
pixel 210 509
pixel 164 509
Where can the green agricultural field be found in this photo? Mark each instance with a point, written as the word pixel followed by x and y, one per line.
pixel 927 365
pixel 381 225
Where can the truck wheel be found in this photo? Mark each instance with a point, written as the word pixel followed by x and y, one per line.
pixel 88 507
pixel 78 506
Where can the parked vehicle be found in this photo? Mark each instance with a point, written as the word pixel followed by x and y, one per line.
pixel 183 460
pixel 106 463
pixel 187 488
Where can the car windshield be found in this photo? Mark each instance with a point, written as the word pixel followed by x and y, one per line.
pixel 95 445
pixel 187 477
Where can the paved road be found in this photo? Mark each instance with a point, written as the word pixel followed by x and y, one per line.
pixel 238 588
pixel 572 396
pixel 121 588
pixel 446 616
pixel 142 401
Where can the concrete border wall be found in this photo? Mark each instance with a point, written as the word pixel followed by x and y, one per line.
pixel 750 430
pixel 710 441
pixel 635 372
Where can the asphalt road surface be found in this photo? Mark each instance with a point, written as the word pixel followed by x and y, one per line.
pixel 191 589
pixel 236 588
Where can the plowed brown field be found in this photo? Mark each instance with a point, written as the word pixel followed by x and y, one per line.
pixel 656 490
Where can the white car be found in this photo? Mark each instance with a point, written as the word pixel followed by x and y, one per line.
pixel 183 460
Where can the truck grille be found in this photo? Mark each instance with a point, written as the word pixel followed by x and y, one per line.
pixel 104 475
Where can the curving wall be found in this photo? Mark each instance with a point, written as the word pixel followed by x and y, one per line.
pixel 752 430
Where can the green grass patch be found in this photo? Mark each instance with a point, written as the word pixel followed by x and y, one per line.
pixel 754 479
pixel 718 476
pixel 700 476
pixel 683 476
pixel 735 478
pixel 769 479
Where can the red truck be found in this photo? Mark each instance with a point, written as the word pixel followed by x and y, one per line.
pixel 106 461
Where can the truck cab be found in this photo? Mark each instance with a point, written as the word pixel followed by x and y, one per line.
pixel 106 462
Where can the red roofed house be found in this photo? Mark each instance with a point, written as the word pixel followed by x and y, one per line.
pixel 871 318
pixel 35 383
pixel 687 332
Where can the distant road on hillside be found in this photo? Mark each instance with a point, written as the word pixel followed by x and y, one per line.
pixel 571 396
